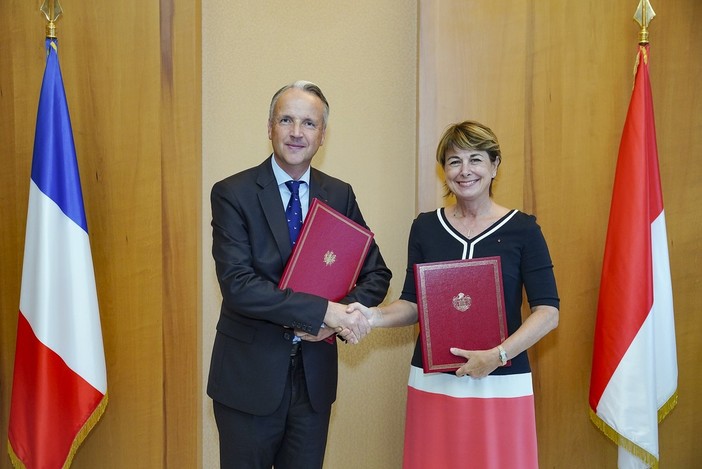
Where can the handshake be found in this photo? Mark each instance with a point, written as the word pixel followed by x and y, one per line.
pixel 350 322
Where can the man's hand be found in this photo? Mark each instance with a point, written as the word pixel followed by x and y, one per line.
pixel 374 314
pixel 338 320
pixel 324 333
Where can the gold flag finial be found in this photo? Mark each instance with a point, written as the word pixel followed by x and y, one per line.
pixel 644 14
pixel 52 10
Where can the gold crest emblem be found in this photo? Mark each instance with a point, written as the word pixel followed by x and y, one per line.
pixel 462 302
pixel 329 258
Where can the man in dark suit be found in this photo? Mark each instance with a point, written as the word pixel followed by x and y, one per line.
pixel 273 377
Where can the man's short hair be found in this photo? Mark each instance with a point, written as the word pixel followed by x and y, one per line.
pixel 303 85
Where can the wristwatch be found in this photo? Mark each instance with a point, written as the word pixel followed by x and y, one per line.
pixel 503 355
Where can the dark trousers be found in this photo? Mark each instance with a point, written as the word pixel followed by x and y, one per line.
pixel 293 437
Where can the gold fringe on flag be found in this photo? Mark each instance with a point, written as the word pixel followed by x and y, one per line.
pixel 16 463
pixel 83 432
pixel 77 441
pixel 667 407
pixel 624 442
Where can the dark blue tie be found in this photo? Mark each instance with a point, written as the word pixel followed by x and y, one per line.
pixel 294 211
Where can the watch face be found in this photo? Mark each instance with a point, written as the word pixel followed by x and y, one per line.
pixel 503 356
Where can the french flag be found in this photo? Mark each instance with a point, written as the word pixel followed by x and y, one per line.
pixel 59 390
pixel 634 368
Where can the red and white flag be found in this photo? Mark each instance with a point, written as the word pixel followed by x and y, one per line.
pixel 634 367
pixel 59 390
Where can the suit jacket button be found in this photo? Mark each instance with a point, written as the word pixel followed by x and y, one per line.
pixel 287 336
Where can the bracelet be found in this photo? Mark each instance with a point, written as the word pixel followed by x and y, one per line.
pixel 503 355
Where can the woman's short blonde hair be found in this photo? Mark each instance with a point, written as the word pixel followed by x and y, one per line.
pixel 468 135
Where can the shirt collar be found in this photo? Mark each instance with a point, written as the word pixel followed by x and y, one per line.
pixel 281 177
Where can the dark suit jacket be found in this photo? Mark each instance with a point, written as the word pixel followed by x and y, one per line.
pixel 251 245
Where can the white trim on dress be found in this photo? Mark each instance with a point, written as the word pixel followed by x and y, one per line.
pixel 465 244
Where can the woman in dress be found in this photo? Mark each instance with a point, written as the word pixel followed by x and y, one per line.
pixel 483 415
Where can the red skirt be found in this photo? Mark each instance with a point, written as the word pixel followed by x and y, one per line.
pixel 454 422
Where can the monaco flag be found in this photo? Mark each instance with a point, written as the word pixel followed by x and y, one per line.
pixel 59 390
pixel 634 367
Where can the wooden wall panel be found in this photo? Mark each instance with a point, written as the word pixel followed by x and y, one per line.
pixel 20 78
pixel 462 77
pixel 111 71
pixel 181 143
pixel 553 79
pixel 132 77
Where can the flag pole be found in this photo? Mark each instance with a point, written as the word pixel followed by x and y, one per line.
pixel 52 10
pixel 59 386
pixel 643 16
pixel 634 372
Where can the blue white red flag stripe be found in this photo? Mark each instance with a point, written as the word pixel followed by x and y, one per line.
pixel 60 386
pixel 634 369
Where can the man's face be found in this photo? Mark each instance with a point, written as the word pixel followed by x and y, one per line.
pixel 296 130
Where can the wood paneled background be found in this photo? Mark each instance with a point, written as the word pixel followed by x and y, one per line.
pixel 132 76
pixel 553 79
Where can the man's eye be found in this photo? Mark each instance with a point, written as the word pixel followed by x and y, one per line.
pixel 284 120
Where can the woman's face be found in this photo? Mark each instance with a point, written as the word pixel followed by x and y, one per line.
pixel 469 173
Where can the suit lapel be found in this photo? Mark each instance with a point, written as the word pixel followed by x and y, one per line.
pixel 271 205
pixel 317 188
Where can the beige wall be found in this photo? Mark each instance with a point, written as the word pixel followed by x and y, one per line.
pixel 363 54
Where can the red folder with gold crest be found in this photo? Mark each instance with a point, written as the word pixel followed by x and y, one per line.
pixel 328 255
pixel 461 304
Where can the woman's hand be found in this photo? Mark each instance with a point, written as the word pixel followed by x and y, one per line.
pixel 373 314
pixel 479 364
